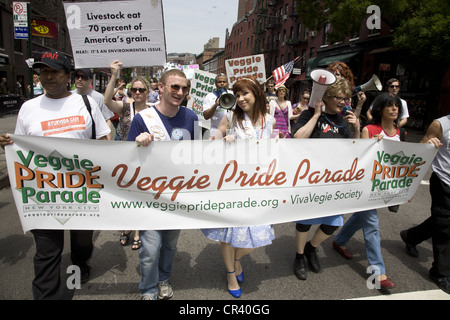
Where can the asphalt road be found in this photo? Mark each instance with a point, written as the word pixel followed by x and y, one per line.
pixel 199 275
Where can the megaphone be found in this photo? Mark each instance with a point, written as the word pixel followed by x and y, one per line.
pixel 321 80
pixel 374 84
pixel 226 100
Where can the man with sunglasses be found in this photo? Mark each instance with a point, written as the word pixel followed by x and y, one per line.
pixel 211 108
pixel 83 83
pixel 163 122
pixel 393 87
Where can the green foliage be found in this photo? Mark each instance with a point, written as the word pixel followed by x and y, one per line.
pixel 421 27
pixel 426 34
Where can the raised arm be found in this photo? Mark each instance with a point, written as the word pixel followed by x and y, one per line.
pixel 114 106
pixel 306 130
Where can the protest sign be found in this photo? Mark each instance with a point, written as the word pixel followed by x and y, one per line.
pixel 129 31
pixel 189 70
pixel 246 66
pixel 60 183
pixel 202 83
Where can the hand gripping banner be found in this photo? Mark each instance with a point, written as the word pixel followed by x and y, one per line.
pixel 62 183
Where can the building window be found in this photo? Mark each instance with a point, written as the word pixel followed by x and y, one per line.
pixel 326 30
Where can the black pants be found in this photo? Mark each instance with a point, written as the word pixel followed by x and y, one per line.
pixel 436 227
pixel 47 260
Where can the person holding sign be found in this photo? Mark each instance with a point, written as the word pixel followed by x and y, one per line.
pixel 139 91
pixel 386 111
pixel 437 226
pixel 127 111
pixel 163 122
pixel 58 113
pixel 248 120
pixel 315 123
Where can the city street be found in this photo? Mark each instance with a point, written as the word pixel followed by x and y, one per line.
pixel 199 273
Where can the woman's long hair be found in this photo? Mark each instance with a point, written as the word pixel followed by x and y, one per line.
pixel 249 83
pixel 382 101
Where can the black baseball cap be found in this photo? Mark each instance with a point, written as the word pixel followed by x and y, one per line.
pixel 54 60
pixel 88 72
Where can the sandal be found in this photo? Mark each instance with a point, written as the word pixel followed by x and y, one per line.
pixel 136 244
pixel 124 238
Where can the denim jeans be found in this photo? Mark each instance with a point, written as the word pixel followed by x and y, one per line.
pixel 368 222
pixel 156 254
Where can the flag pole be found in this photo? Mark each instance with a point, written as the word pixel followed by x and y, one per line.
pixel 271 76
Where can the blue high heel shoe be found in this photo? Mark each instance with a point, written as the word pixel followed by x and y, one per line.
pixel 240 277
pixel 235 293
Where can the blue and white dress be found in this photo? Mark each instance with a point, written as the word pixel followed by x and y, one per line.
pixel 246 237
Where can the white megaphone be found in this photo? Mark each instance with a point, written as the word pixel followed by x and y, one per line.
pixel 226 100
pixel 321 80
pixel 373 84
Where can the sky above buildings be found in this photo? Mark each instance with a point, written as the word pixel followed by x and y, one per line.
pixel 190 24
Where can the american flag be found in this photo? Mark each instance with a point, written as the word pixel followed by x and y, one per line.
pixel 281 74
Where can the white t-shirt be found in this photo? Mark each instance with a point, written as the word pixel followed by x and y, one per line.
pixel 98 97
pixel 66 118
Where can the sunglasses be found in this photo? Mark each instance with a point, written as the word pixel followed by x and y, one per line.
pixel 82 76
pixel 394 86
pixel 340 99
pixel 175 88
pixel 141 90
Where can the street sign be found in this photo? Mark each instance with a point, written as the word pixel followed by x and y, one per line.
pixel 297 71
pixel 20 15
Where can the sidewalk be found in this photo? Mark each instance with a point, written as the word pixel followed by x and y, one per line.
pixel 7 125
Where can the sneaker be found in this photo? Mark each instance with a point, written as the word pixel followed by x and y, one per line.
pixel 149 297
pixel 165 290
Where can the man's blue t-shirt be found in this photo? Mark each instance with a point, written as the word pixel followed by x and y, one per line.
pixel 180 127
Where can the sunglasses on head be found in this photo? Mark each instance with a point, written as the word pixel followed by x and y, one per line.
pixel 175 88
pixel 82 76
pixel 141 90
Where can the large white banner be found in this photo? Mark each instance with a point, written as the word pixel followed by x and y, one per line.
pixel 113 185
pixel 130 31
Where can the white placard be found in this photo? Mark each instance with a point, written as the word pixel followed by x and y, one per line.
pixel 246 66
pixel 129 31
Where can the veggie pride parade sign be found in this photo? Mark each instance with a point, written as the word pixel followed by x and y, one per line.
pixel 61 183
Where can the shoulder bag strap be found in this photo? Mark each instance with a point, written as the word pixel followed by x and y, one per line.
pixel 88 106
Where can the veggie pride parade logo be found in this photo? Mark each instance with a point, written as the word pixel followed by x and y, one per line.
pixel 394 173
pixel 57 186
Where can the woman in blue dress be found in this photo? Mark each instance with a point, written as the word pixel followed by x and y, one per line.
pixel 249 120
pixel 315 123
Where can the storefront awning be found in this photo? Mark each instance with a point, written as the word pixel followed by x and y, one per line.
pixel 382 50
pixel 311 64
pixel 325 61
